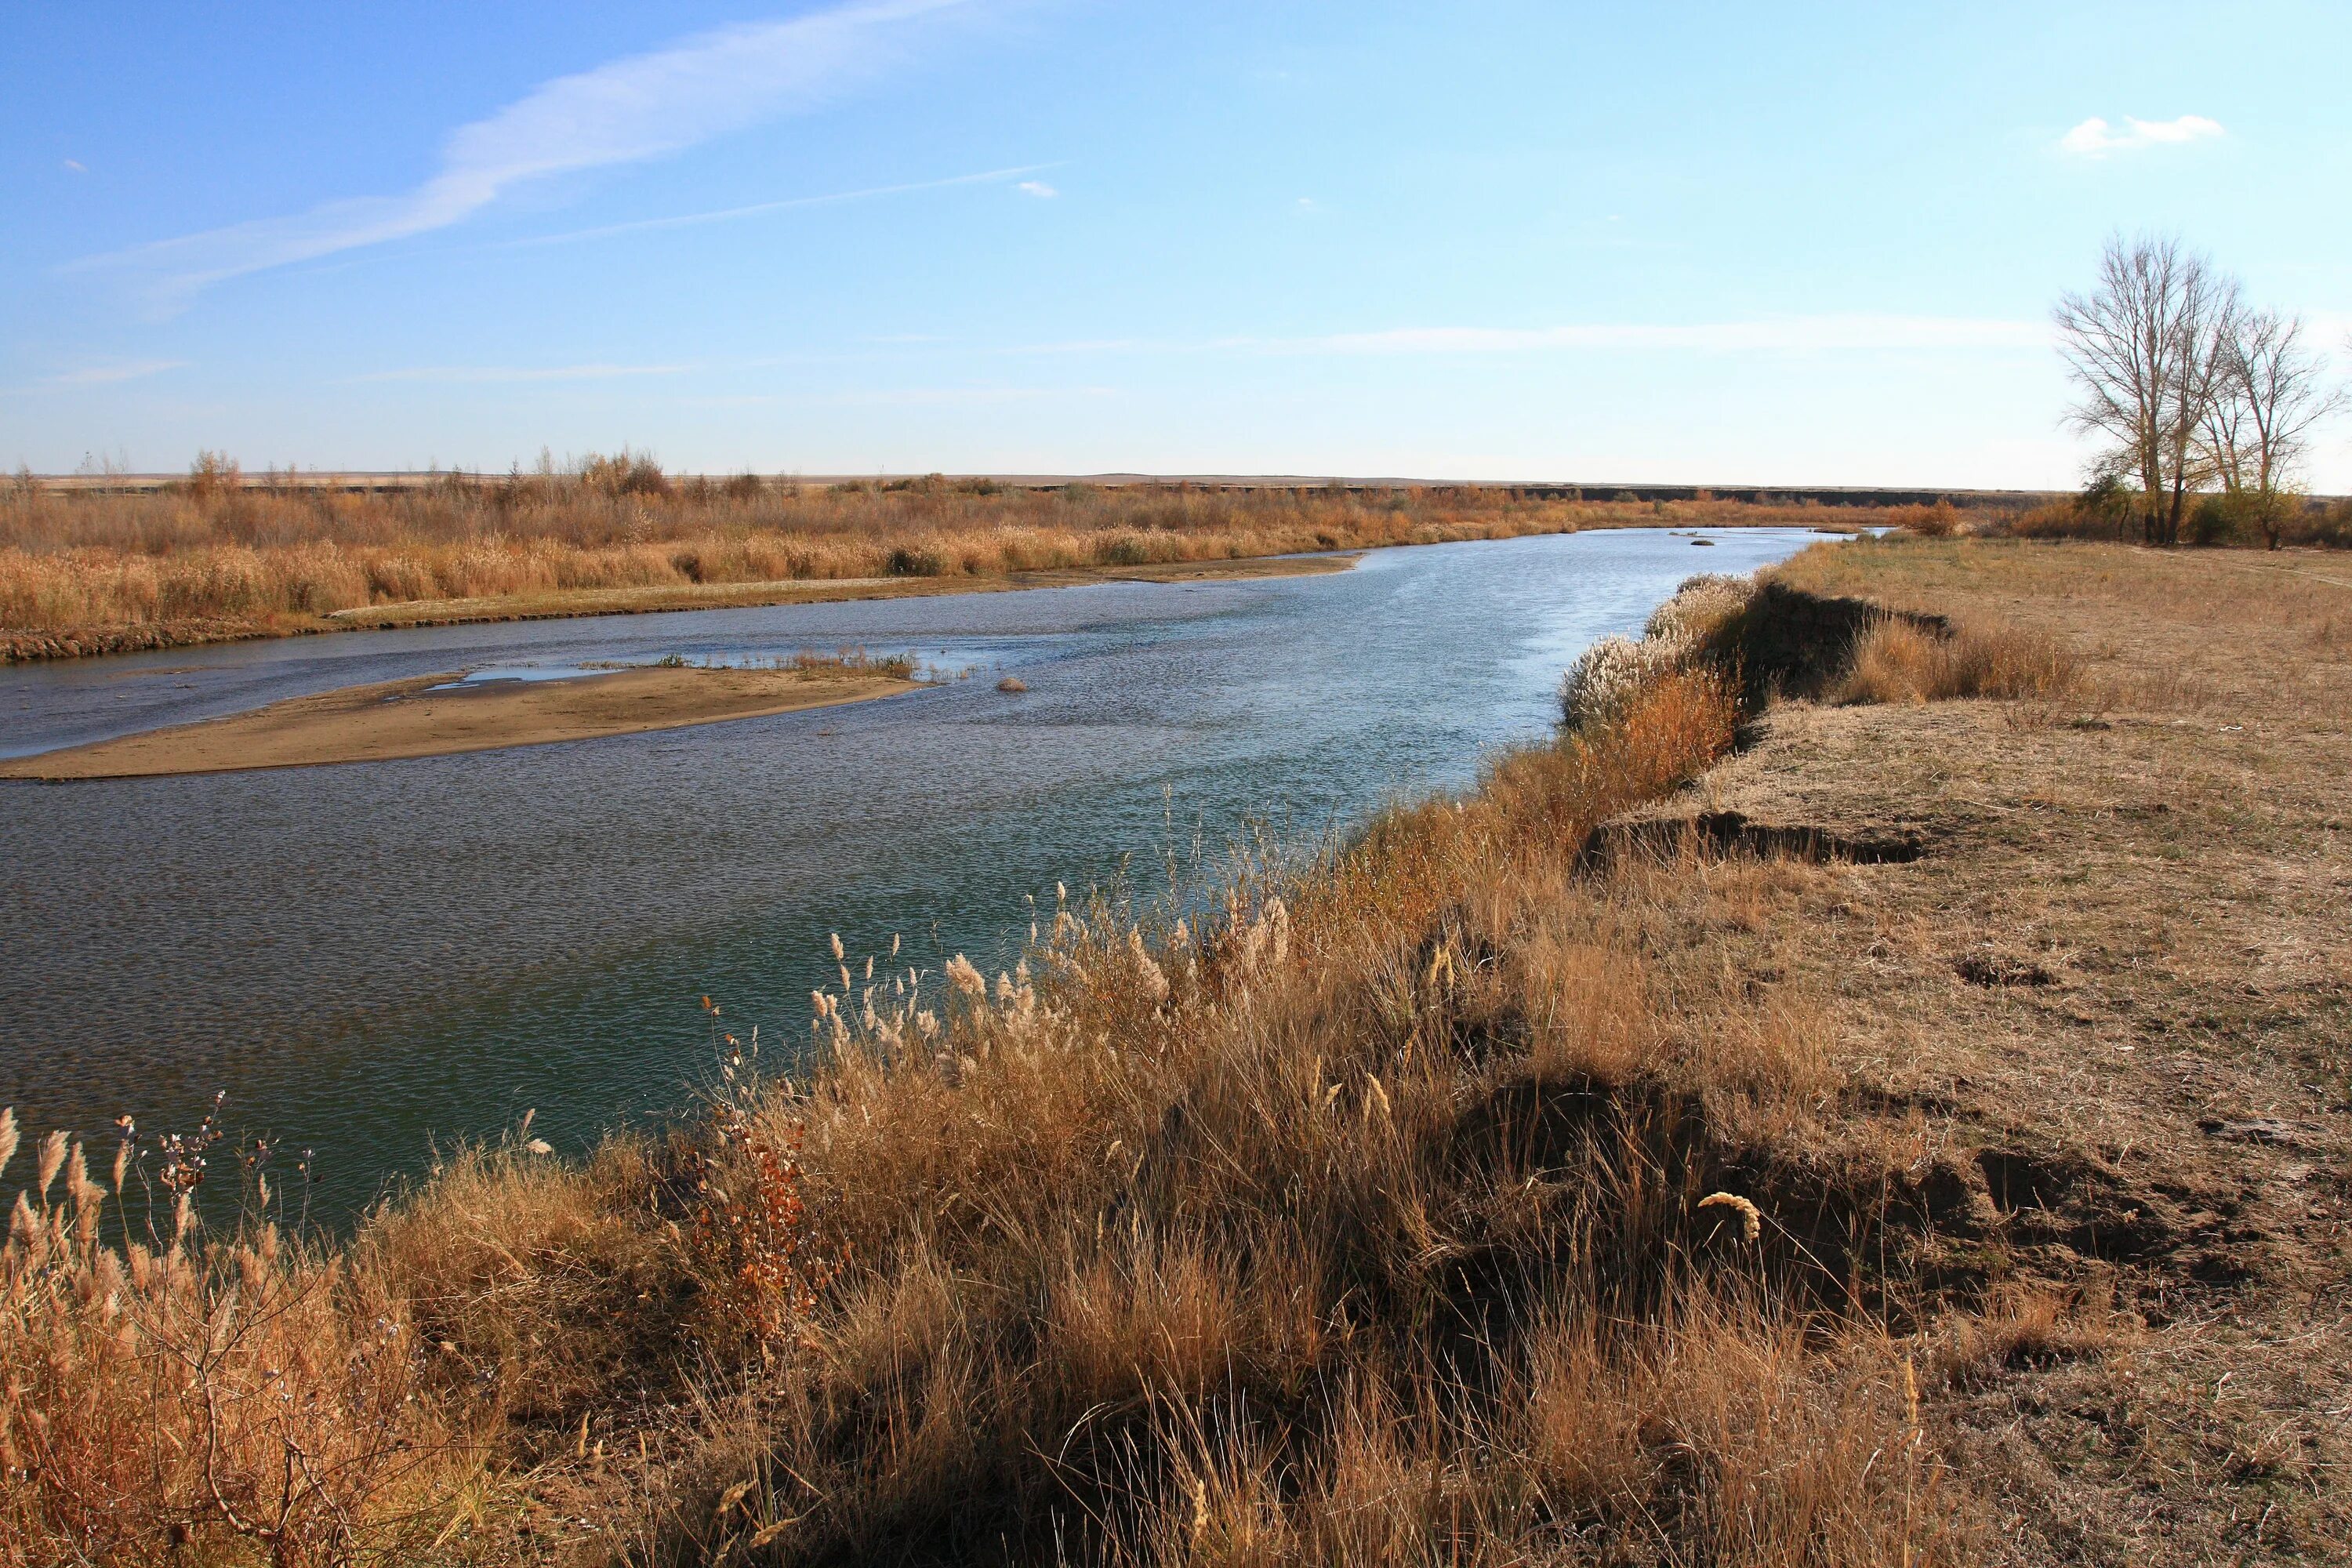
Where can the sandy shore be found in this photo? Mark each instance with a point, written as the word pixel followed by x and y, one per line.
pixel 409 719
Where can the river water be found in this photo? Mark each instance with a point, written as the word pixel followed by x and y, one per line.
pixel 368 956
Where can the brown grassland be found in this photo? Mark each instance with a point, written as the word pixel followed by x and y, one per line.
pixel 217 556
pixel 1874 1094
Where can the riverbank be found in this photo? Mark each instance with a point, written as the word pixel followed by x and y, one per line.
pixel 582 603
pixel 439 715
pixel 220 559
pixel 1875 1144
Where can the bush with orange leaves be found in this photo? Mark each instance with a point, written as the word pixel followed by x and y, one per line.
pixel 752 1243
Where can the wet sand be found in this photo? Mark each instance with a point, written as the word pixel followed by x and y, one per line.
pixel 408 718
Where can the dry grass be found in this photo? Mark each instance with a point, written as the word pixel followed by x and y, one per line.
pixel 2111 991
pixel 262 1393
pixel 1901 661
pixel 1368 1221
pixel 219 549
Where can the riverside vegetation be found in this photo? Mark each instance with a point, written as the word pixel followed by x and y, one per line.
pixel 1665 1153
pixel 220 556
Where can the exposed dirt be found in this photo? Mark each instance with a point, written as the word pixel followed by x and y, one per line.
pixel 411 719
pixel 2109 999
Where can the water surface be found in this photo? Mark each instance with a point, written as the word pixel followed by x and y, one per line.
pixel 366 954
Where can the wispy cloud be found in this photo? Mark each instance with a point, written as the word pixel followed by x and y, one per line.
pixel 900 397
pixel 108 375
pixel 724 215
pixel 1039 189
pixel 624 112
pixel 457 374
pixel 1775 334
pixel 2094 138
pixel 77 166
pixel 1771 334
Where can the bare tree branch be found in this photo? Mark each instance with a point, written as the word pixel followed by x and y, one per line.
pixel 2143 348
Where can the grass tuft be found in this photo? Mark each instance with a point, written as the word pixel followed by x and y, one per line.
pixel 1898 660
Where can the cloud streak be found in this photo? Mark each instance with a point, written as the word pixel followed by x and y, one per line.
pixel 112 374
pixel 725 214
pixel 108 374
pixel 1848 333
pixel 2094 138
pixel 1799 334
pixel 488 374
pixel 625 112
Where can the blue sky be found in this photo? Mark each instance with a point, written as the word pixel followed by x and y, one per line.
pixel 1699 243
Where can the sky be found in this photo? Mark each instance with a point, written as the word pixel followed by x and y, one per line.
pixel 1682 243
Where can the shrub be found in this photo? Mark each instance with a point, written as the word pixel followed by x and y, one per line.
pixel 1699 608
pixel 1604 678
pixel 1938 519
pixel 2221 520
pixel 1680 633
pixel 2329 527
pixel 624 473
pixel 905 562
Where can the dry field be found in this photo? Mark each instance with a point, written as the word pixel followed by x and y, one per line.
pixel 218 557
pixel 1915 1137
pixel 2117 987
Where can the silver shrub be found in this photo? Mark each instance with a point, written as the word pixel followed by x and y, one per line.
pixel 1608 675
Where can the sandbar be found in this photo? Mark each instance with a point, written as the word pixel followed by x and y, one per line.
pixel 410 718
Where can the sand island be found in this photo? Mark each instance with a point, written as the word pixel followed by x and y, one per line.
pixel 435 715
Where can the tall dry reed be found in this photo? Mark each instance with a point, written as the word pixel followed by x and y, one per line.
pixel 1898 660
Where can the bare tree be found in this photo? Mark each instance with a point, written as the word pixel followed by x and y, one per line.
pixel 2145 350
pixel 2273 394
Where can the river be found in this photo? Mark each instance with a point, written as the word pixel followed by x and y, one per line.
pixel 368 956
